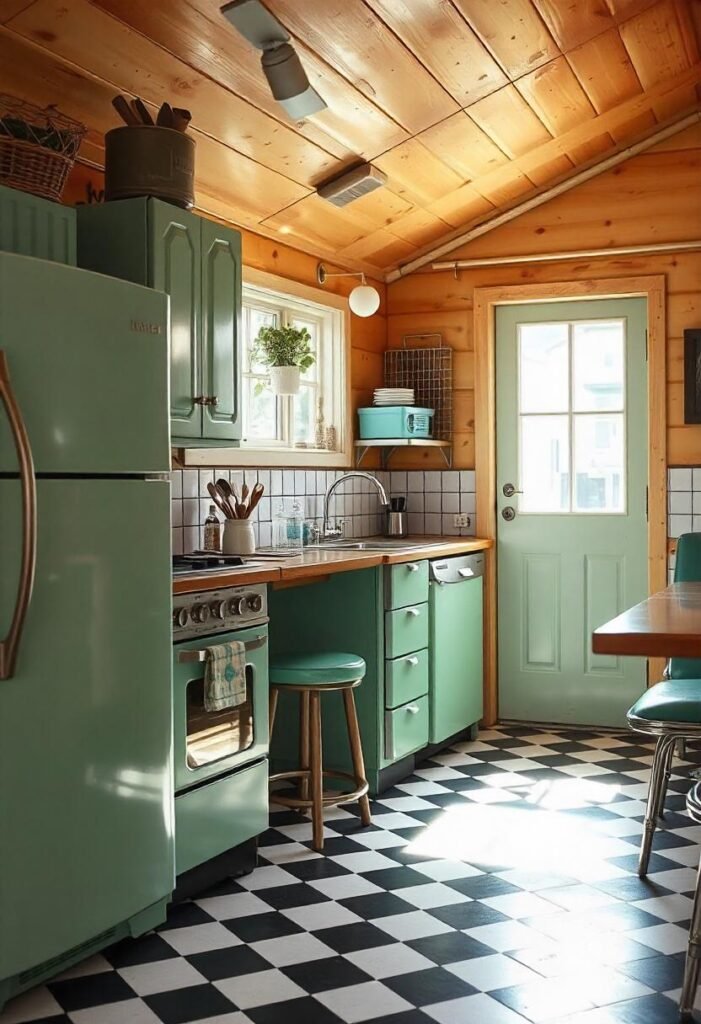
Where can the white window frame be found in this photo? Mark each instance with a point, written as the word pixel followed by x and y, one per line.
pixel 331 311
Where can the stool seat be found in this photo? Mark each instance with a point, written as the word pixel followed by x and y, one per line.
pixel 673 700
pixel 325 668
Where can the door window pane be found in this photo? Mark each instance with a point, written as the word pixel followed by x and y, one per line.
pixel 261 410
pixel 544 367
pixel 545 478
pixel 599 463
pixel 598 361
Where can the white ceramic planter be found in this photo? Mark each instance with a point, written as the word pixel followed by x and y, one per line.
pixel 284 380
pixel 239 538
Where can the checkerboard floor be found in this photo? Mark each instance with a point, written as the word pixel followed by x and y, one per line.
pixel 496 885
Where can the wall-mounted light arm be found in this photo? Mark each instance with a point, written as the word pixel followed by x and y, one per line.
pixel 364 300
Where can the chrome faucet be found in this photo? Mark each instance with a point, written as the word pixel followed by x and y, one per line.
pixel 329 531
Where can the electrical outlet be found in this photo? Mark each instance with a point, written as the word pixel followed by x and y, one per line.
pixel 461 519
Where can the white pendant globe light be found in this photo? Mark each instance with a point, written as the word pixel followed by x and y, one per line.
pixel 364 300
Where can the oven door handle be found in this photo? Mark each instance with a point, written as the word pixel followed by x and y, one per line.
pixel 201 655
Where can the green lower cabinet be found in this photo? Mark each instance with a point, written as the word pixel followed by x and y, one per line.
pixel 215 817
pixel 406 678
pixel 406 729
pixel 405 584
pixel 406 630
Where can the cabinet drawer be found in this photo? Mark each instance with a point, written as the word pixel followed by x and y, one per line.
pixel 406 584
pixel 406 729
pixel 406 678
pixel 406 630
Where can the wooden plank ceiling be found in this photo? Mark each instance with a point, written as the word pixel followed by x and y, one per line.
pixel 467 105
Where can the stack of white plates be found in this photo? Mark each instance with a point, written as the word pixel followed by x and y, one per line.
pixel 393 396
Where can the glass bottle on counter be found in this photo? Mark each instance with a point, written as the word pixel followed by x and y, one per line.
pixel 212 531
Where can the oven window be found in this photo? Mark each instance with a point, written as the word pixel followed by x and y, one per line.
pixel 214 735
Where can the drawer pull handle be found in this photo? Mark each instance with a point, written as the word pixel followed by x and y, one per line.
pixel 412 567
pixel 412 661
pixel 413 611
pixel 413 709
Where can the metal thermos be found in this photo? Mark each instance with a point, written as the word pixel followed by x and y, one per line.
pixel 397 524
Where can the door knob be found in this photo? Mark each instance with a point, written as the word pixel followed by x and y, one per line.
pixel 508 513
pixel 508 490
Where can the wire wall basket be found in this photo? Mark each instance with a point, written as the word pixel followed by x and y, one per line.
pixel 429 371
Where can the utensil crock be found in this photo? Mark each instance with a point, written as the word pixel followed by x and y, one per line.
pixel 238 538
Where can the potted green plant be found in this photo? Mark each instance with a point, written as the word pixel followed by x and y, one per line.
pixel 286 351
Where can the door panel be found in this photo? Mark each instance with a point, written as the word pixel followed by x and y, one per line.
pixel 86 772
pixel 221 325
pixel 456 690
pixel 175 245
pixel 88 363
pixel 572 538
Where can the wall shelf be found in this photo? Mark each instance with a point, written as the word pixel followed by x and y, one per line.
pixel 388 445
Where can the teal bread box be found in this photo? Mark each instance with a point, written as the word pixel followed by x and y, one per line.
pixel 394 421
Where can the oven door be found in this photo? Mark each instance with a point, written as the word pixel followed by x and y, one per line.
pixel 212 743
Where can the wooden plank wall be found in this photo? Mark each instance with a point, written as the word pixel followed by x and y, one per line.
pixel 368 335
pixel 655 197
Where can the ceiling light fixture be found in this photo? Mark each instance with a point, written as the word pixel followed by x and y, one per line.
pixel 364 300
pixel 280 62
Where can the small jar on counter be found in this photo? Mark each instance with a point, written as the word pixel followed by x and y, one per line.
pixel 212 531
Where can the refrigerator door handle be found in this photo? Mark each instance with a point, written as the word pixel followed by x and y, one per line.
pixel 10 645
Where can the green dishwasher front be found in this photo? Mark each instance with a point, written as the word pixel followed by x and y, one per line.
pixel 455 677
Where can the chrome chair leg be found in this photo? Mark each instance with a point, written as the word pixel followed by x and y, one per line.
pixel 669 760
pixel 693 957
pixel 653 800
pixel 681 748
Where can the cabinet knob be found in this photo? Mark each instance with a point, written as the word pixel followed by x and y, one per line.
pixel 412 567
pixel 199 400
pixel 413 611
pixel 212 400
pixel 412 661
pixel 412 709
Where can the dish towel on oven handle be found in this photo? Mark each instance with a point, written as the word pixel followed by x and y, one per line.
pixel 225 676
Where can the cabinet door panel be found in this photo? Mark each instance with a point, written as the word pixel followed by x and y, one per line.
pixel 221 325
pixel 175 266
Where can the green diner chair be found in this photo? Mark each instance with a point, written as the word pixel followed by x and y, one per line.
pixel 670 710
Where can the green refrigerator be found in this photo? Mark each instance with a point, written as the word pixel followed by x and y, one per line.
pixel 86 801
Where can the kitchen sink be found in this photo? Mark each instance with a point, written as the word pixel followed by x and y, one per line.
pixel 393 544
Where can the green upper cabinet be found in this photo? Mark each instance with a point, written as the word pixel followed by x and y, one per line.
pixel 221 326
pixel 31 226
pixel 198 264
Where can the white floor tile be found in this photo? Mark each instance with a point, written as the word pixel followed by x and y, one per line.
pixel 389 961
pixel 321 915
pixel 259 989
pixel 239 904
pixel 579 897
pixel 480 1008
pixel 490 972
pixel 366 861
pixel 407 804
pixel 437 774
pixel 126 1011
pixel 162 976
pixel 670 908
pixel 378 839
pixel 667 938
pixel 267 877
pixel 505 935
pixel 676 879
pixel 200 938
pixel 344 887
pixel 532 879
pixel 292 949
pixel 426 788
pixel 93 965
pixel 30 1006
pixel 356 1003
pixel 446 870
pixel 432 894
pixel 287 853
pixel 409 926
pixel 521 904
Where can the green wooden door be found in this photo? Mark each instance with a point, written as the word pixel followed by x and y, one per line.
pixel 175 249
pixel 572 541
pixel 221 331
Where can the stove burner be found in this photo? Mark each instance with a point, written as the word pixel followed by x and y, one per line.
pixel 197 561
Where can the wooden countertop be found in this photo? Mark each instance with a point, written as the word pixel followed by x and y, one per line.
pixel 666 625
pixel 321 562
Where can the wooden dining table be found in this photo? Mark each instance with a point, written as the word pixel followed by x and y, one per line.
pixel 665 625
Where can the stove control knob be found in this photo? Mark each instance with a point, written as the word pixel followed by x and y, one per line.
pixel 180 617
pixel 236 606
pixel 218 609
pixel 255 602
pixel 200 613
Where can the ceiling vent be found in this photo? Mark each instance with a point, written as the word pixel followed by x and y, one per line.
pixel 352 185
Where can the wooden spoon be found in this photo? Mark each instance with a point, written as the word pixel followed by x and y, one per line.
pixel 221 503
pixel 256 495
pixel 121 105
pixel 165 116
pixel 141 111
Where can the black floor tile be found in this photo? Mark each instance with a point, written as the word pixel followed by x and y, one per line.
pixel 450 947
pixel 189 1004
pixel 422 988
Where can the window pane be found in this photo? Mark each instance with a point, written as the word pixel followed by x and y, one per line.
pixel 260 411
pixel 599 463
pixel 598 359
pixel 257 318
pixel 543 367
pixel 304 412
pixel 313 328
pixel 544 460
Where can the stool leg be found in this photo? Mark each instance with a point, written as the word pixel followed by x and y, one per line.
pixel 693 953
pixel 304 743
pixel 271 712
pixel 653 801
pixel 668 761
pixel 357 754
pixel 315 768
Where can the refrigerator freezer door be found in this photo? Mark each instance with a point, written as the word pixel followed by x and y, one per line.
pixel 88 363
pixel 86 800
